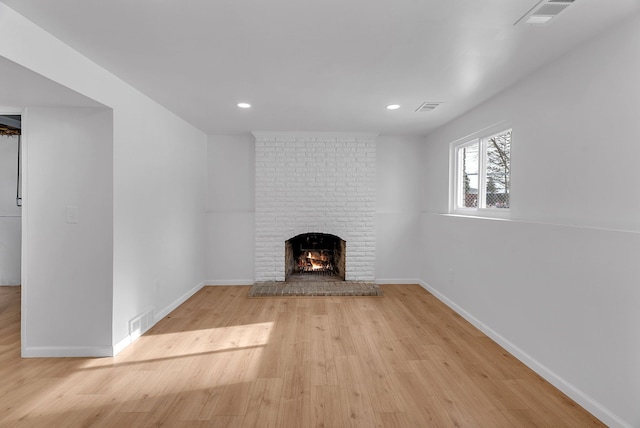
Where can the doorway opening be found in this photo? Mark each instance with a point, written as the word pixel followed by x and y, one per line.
pixel 10 200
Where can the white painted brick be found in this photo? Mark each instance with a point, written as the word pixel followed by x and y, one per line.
pixel 315 184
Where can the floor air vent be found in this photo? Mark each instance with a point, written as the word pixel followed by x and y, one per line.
pixel 140 324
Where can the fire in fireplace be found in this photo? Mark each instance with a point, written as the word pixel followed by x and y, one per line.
pixel 314 255
pixel 315 262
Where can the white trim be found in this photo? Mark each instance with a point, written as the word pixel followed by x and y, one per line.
pixel 128 339
pixel 397 281
pixel 66 351
pixel 180 300
pixel 497 213
pixel 24 259
pixel 121 345
pixel 591 405
pixel 223 282
pixel 533 221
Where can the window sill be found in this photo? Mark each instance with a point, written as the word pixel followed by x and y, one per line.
pixel 486 213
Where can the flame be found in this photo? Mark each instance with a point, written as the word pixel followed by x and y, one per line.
pixel 317 261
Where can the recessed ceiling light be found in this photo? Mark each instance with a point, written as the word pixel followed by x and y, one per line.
pixel 393 106
pixel 244 105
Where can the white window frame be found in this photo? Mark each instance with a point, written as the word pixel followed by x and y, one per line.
pixel 456 187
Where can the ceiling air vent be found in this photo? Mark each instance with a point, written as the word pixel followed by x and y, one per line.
pixel 427 106
pixel 544 11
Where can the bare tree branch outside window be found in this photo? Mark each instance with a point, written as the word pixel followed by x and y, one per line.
pixel 498 170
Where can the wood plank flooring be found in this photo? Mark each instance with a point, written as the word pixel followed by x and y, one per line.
pixel 225 360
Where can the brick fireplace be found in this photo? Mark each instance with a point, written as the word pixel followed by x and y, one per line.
pixel 316 184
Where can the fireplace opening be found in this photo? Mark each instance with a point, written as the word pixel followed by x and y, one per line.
pixel 315 256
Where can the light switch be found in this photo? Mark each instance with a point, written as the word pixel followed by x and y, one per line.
pixel 72 214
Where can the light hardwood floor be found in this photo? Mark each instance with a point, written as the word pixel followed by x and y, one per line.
pixel 224 360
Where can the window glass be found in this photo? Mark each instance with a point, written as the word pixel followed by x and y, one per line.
pixel 483 174
pixel 470 175
pixel 498 149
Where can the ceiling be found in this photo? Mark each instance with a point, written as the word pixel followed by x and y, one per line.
pixel 21 87
pixel 329 65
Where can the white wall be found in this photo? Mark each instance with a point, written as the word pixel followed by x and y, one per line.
pixel 10 214
pixel 68 161
pixel 230 210
pixel 159 179
pixel 159 199
pixel 558 284
pixel 398 186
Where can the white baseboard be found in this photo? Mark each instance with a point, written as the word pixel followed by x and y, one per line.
pixel 584 400
pixel 219 282
pixel 66 351
pixel 118 347
pixel 397 281
pixel 180 300
pixel 128 339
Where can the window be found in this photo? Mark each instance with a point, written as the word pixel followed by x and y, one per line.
pixel 482 179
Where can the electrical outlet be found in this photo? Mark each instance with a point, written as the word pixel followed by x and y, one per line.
pixel 72 214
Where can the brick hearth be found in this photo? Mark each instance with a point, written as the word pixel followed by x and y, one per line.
pixel 314 288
